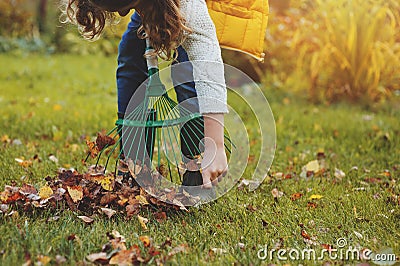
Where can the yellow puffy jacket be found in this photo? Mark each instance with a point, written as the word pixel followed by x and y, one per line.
pixel 240 24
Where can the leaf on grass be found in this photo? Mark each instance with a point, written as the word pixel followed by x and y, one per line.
pixel 4 208
pixel 312 166
pixel 339 173
pixel 43 260
pixel 145 240
pixel 305 235
pixel 108 212
pixel 45 192
pixel 218 251
pixel 132 209
pixel 53 158
pixel 276 193
pixel 76 193
pixel 5 139
pixel 315 197
pixel 53 219
pixel 86 219
pixel 160 216
pixel 311 205
pixel 60 259
pixel 295 196
pixel 182 248
pixel 143 221
pixel 24 163
pixel 123 257
pixel 100 258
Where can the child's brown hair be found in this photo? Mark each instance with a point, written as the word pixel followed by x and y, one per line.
pixel 161 20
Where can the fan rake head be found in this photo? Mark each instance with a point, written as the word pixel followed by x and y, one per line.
pixel 158 139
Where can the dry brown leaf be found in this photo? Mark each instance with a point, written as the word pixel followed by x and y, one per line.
pixel 103 141
pixel 107 199
pixel 27 189
pixel 305 235
pixel 123 257
pixel 92 148
pixel 296 196
pixel 160 216
pixel 132 209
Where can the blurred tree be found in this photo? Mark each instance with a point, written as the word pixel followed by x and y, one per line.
pixel 42 16
pixel 280 5
pixel 15 19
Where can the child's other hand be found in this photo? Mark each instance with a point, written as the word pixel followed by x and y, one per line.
pixel 214 165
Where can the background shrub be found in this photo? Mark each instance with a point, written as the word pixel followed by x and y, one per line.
pixel 336 49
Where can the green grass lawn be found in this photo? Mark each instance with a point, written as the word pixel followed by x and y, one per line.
pixel 51 104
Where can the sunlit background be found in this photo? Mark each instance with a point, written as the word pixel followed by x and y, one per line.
pixel 329 50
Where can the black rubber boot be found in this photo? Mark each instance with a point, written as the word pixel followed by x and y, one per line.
pixel 191 134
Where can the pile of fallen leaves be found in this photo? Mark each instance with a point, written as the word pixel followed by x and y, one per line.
pixel 94 192
pixel 116 252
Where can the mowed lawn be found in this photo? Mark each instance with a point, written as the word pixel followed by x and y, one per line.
pixel 51 104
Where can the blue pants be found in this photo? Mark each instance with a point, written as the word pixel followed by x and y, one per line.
pixel 132 71
pixel 132 68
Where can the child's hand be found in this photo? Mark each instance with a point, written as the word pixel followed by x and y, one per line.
pixel 214 163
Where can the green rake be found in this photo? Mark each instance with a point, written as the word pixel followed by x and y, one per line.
pixel 158 134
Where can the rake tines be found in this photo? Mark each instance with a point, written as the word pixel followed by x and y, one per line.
pixel 158 133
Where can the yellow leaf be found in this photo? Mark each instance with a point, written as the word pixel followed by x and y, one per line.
pixel 145 240
pixel 76 193
pixel 57 107
pixel 23 163
pixel 143 221
pixel 142 200
pixel 107 183
pixel 5 139
pixel 43 260
pixel 45 192
pixel 313 166
pixel 316 196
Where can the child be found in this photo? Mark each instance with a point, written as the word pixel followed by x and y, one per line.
pixel 168 24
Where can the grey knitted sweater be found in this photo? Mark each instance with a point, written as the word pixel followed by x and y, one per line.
pixel 204 53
